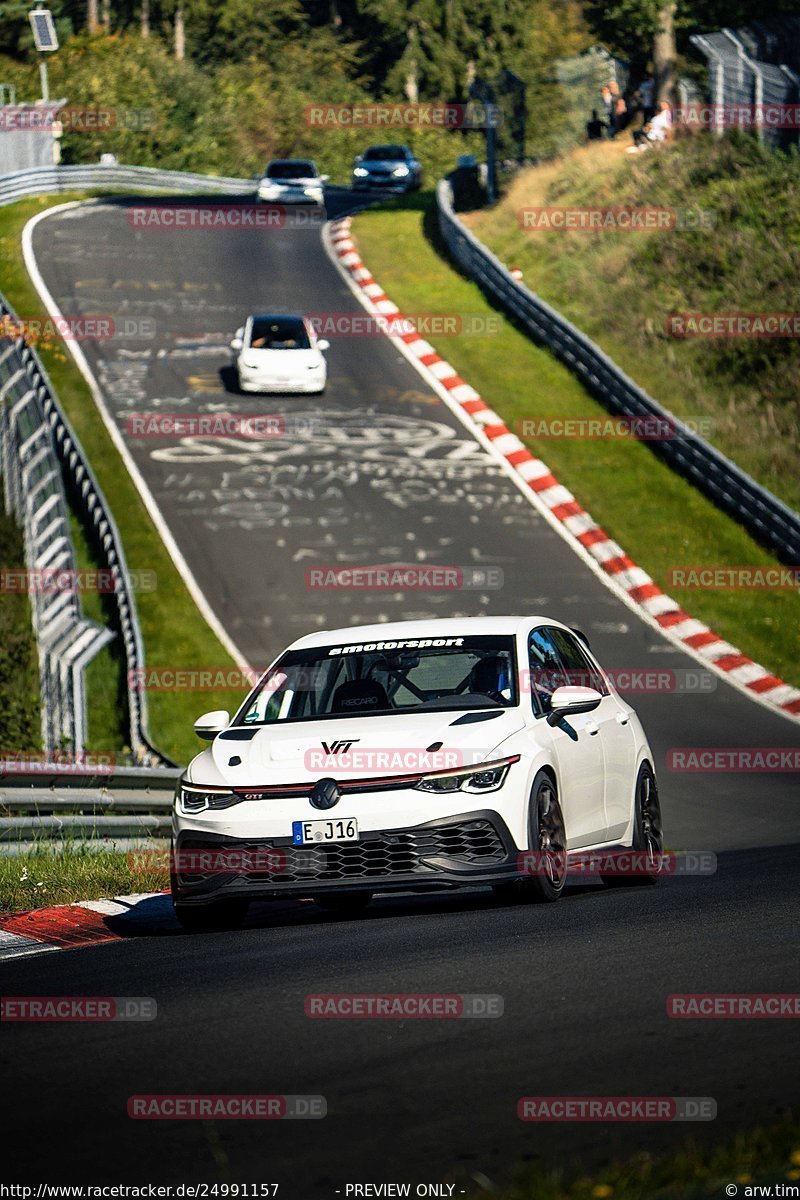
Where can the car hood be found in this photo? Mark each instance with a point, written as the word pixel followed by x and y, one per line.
pixel 373 747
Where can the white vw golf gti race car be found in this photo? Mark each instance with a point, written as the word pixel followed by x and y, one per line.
pixel 278 352
pixel 413 756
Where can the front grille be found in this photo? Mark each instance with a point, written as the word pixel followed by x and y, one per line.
pixel 470 843
pixel 467 843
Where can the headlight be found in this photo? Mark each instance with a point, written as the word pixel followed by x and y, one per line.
pixel 195 799
pixel 361 172
pixel 313 191
pixel 401 170
pixel 486 777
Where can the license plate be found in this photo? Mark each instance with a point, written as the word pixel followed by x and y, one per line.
pixel 309 833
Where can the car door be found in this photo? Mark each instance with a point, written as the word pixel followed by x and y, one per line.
pixel 577 748
pixel 612 720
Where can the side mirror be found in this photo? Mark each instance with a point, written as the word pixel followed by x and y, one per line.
pixel 211 723
pixel 324 178
pixel 323 344
pixel 569 701
pixel 357 159
pixel 238 339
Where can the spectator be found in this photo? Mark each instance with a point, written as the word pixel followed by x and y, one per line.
pixel 661 124
pixel 595 128
pixel 608 103
pixel 656 131
pixel 620 117
pixel 647 92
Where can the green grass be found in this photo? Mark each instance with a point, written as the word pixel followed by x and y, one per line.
pixel 764 1157
pixel 660 520
pixel 174 632
pixel 20 726
pixel 42 878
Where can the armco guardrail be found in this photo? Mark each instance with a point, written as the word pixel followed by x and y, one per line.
pixel 49 810
pixel 39 180
pixel 767 518
pixel 34 493
pixel 37 447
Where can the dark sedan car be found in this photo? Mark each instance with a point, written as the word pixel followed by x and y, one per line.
pixel 392 168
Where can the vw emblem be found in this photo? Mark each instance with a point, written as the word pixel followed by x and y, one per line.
pixel 325 793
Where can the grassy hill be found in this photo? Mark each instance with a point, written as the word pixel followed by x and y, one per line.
pixel 620 287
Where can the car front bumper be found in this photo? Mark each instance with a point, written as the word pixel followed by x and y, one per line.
pixel 251 379
pixel 383 185
pixel 249 383
pixel 310 195
pixel 463 850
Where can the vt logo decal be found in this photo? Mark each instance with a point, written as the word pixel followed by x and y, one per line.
pixel 339 747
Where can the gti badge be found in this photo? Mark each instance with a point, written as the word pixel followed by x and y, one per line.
pixel 325 793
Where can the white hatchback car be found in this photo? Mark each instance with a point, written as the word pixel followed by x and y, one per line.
pixel 413 756
pixel 279 353
pixel 292 181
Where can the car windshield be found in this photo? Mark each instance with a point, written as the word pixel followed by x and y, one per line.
pixel 279 333
pixel 385 154
pixel 291 170
pixel 405 676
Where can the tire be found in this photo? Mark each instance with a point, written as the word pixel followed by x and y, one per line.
pixel 343 902
pixel 211 918
pixel 546 837
pixel 648 834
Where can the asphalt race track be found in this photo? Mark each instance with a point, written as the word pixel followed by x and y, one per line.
pixel 378 470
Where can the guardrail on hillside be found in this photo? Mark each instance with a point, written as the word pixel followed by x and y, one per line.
pixel 37 445
pixel 763 515
pixel 34 493
pixel 38 180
